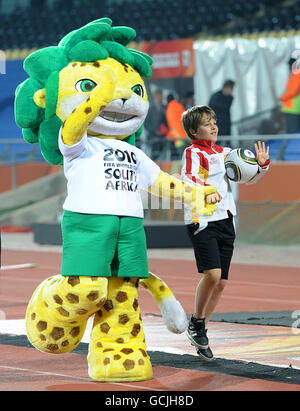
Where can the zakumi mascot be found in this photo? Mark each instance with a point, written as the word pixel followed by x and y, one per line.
pixel 85 103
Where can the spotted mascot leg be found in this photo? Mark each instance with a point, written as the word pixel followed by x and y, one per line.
pixel 117 350
pixel 58 311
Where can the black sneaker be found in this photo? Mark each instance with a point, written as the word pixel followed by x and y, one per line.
pixel 196 333
pixel 205 353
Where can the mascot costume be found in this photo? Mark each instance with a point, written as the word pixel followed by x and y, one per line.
pixel 85 103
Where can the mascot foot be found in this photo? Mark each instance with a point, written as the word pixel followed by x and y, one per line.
pixel 117 350
pixel 120 364
pixel 58 311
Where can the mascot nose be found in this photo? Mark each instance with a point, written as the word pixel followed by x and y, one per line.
pixel 122 93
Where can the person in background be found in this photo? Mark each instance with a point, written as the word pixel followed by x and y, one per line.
pixel 175 109
pixel 291 99
pixel 220 102
pixel 188 100
pixel 156 125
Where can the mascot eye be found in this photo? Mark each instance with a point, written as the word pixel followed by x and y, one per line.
pixel 85 85
pixel 138 89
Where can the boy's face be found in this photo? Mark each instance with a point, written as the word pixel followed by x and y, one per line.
pixel 207 129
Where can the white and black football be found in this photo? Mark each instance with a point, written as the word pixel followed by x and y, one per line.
pixel 241 165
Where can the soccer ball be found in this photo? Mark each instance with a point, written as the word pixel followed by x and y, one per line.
pixel 241 165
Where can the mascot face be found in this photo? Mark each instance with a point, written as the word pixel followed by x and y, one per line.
pixel 123 116
pixel 62 77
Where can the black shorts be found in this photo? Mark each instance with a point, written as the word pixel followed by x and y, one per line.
pixel 213 246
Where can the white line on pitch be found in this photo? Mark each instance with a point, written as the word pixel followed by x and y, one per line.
pixel 13 267
pixel 87 379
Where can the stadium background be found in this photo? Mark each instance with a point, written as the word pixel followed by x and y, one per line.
pixel 196 45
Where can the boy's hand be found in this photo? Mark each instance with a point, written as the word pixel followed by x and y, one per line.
pixel 262 155
pixel 213 198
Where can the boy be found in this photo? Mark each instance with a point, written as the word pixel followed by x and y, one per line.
pixel 212 236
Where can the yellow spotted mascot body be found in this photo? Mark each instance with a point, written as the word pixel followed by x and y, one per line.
pixel 85 103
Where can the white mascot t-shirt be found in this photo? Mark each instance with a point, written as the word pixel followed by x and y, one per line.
pixel 105 175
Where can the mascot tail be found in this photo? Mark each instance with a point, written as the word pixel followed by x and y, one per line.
pixel 172 311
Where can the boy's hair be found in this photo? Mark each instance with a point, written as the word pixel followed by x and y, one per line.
pixel 192 117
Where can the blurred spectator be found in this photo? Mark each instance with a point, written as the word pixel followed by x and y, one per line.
pixel 221 102
pixel 156 125
pixel 175 109
pixel 291 99
pixel 188 100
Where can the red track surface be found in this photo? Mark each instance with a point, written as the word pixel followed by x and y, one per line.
pixel 250 288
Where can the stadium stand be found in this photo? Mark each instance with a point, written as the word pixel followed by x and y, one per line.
pixel 44 24
pixel 275 147
pixel 292 150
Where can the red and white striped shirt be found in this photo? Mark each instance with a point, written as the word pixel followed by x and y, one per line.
pixel 203 162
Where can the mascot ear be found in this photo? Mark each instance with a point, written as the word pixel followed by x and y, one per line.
pixel 40 98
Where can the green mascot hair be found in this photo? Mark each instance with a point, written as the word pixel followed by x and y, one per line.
pixel 94 41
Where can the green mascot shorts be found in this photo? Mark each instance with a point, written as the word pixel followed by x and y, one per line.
pixel 103 245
